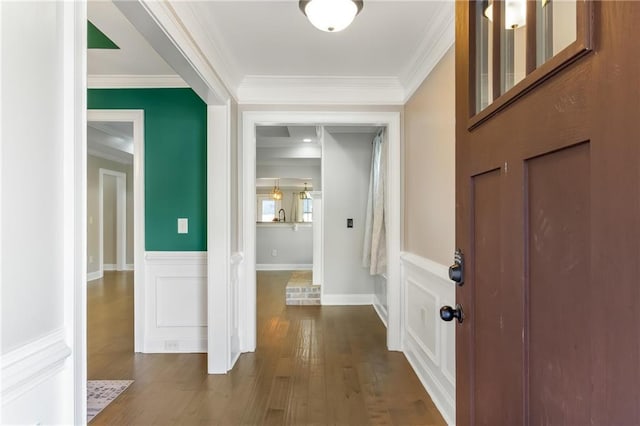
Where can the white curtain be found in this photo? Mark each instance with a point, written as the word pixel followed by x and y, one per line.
pixel 296 214
pixel 374 255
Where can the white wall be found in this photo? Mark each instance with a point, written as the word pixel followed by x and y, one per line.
pixel 39 125
pixel 347 159
pixel 292 242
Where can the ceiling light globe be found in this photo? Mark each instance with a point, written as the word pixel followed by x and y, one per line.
pixel 331 15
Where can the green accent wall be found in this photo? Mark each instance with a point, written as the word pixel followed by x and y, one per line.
pixel 175 144
pixel 96 39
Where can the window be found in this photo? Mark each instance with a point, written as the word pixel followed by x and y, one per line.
pixel 267 208
pixel 307 210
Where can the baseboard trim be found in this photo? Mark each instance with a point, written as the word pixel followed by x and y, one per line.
pixel 347 299
pixel 92 276
pixel 176 346
pixel 129 267
pixel 434 388
pixel 27 366
pixel 381 311
pixel 284 267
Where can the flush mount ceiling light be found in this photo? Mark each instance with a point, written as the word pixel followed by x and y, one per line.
pixel 331 15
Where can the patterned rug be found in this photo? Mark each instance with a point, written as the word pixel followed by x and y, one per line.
pixel 101 393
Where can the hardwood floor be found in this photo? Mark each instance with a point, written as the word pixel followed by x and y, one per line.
pixel 313 366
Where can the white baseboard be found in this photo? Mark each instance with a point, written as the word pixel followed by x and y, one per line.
pixel 381 311
pixel 284 267
pixel 91 276
pixel 176 346
pixel 109 267
pixel 29 365
pixel 347 299
pixel 129 267
pixel 445 404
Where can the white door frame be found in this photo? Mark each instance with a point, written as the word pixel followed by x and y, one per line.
pixel 121 218
pixel 137 118
pixel 251 119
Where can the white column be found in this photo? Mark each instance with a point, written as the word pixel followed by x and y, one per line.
pixel 318 251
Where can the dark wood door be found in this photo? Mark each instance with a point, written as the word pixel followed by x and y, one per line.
pixel 548 217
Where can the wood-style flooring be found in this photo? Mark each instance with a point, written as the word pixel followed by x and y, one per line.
pixel 314 365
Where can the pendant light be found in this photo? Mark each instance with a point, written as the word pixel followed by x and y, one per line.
pixel 276 194
pixel 331 15
pixel 515 12
pixel 304 195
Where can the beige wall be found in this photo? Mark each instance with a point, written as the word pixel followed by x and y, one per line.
pixel 94 164
pixel 429 165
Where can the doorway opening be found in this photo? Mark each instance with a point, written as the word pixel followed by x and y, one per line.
pixel 253 122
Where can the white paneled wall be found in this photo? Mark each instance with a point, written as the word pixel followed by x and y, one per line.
pixel 176 302
pixel 429 342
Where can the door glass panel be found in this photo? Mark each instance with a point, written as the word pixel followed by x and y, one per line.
pixel 556 27
pixel 484 54
pixel 513 42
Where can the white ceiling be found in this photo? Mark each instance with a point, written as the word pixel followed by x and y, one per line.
pixel 265 51
pixel 135 56
pixel 110 140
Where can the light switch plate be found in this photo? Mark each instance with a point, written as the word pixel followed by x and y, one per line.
pixel 183 225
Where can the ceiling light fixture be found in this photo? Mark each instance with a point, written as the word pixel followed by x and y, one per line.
pixel 276 194
pixel 331 15
pixel 515 13
pixel 304 195
pixel 306 140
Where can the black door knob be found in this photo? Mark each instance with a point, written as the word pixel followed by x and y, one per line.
pixel 447 313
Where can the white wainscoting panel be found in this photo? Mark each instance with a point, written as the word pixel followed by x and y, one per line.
pixel 24 367
pixel 429 342
pixel 176 302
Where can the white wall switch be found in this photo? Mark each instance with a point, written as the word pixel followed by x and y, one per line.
pixel 183 225
pixel 274 252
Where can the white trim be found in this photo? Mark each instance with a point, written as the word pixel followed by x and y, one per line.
pixel 28 365
pixel 121 220
pixel 172 257
pixel 99 81
pixel 431 365
pixel 439 38
pixel 445 405
pixel 197 346
pixel 129 267
pixel 347 299
pixel 74 92
pixel 96 275
pixel 380 310
pixel 304 90
pixel 248 285
pixel 284 267
pixel 219 238
pixel 428 265
pixel 166 33
pixel 137 117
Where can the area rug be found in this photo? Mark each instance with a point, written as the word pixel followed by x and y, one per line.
pixel 101 393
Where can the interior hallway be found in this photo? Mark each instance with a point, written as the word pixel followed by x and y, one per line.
pixel 313 365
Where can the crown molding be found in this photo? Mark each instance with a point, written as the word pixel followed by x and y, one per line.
pixel 439 37
pixel 331 90
pixel 102 81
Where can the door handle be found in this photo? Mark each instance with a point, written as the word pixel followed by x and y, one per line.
pixel 447 313
pixel 456 271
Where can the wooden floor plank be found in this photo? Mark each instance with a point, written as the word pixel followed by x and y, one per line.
pixel 313 366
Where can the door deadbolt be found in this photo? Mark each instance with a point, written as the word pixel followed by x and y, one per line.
pixel 456 271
